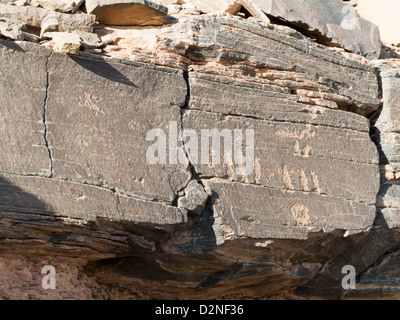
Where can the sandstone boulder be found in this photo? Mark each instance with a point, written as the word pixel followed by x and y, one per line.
pixel 127 12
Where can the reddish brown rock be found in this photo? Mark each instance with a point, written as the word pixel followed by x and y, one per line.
pixel 127 12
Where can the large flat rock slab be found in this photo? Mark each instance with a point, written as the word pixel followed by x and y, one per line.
pixel 308 148
pixel 251 211
pixel 77 143
pixel 35 196
pixel 96 114
pixel 305 177
pixel 99 113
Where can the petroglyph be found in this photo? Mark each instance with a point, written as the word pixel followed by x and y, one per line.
pixel 301 214
pixel 90 101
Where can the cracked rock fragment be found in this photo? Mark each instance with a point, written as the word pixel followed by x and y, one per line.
pixel 11 29
pixel 195 198
pixel 65 42
pixel 60 5
pixel 49 24
pixel 254 10
pixel 89 40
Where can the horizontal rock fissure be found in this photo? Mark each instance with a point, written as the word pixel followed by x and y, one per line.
pixel 258 118
pixel 216 179
pixel 115 191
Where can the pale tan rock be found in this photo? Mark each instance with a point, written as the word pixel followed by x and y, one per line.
pixel 174 8
pixel 65 42
pixel 49 24
pixel 32 3
pixel 60 5
pixel 385 14
pixel 89 40
pixel 254 10
pixel 216 6
pixel 352 3
pixel 11 29
pixel 33 17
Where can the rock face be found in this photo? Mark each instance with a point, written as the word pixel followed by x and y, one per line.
pixel 380 279
pixel 296 172
pixel 91 116
pixel 90 172
pixel 338 22
pixel 387 137
pixel 195 156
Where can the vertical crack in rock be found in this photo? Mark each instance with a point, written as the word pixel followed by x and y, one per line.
pixel 201 205
pixel 186 106
pixel 46 98
pixel 188 92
